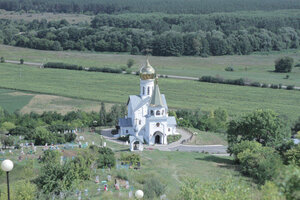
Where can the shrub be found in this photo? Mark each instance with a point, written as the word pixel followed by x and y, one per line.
pixel 130 63
pixel 297 65
pixel 264 85
pixel 173 138
pixel 124 138
pixel 229 69
pixel 284 64
pixel 218 190
pixel 274 86
pixel 153 188
pixel 292 156
pixel 290 87
pixel 106 158
pixel 21 61
pixel 242 146
pixel 255 84
pixel 270 191
pixel 261 163
pixel 128 71
pixel 2 60
pixel 131 159
pixel 289 182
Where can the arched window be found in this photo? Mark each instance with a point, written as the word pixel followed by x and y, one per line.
pixel 162 112
pixel 143 90
pixel 140 122
pixel 148 90
pixel 152 112
pixel 158 112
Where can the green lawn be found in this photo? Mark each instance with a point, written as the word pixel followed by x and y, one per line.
pixel 115 88
pixel 11 101
pixel 207 138
pixel 254 67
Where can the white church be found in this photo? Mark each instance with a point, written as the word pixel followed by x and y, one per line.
pixel 147 117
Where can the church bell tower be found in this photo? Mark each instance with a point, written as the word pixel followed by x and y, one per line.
pixel 147 77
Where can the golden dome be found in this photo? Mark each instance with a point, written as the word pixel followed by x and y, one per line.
pixel 147 71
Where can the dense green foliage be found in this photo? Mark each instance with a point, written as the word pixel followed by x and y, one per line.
pixel 284 64
pixel 292 156
pixel 214 121
pixel 164 34
pixel 263 126
pixel 106 158
pixel 219 190
pixel 173 138
pixel 131 159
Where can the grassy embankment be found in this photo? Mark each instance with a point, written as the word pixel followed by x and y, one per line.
pixel 255 67
pixel 115 88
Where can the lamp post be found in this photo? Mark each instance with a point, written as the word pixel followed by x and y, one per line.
pixel 139 194
pixel 7 166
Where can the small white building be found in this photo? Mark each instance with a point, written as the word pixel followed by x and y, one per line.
pixel 148 111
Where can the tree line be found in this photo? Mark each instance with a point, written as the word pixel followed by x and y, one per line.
pixel 137 6
pixel 53 127
pixel 164 35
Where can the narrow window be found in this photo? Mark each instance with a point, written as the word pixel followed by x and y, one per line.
pixel 169 129
pixel 158 112
pixel 126 131
pixel 162 112
pixel 152 112
pixel 148 90
pixel 140 122
pixel 143 90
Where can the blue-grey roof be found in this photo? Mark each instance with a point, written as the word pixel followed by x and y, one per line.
pixel 164 101
pixel 171 120
pixel 137 101
pixel 123 122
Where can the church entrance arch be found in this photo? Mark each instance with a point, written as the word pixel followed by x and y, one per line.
pixel 158 138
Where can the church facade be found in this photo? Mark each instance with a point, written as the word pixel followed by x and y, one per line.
pixel 147 116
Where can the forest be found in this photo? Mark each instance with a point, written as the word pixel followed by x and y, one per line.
pixel 146 6
pixel 161 34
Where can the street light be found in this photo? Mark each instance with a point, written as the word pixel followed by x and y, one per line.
pixel 7 166
pixel 139 194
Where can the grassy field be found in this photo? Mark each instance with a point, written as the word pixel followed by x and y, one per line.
pixel 172 168
pixel 71 18
pixel 115 88
pixel 207 138
pixel 255 67
pixel 11 100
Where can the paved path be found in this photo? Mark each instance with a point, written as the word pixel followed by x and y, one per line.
pixel 25 63
pixel 175 146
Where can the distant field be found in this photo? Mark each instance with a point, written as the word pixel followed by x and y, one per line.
pixel 11 100
pixel 115 88
pixel 255 67
pixel 71 18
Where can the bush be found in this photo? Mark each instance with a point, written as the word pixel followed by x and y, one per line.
pixel 173 138
pixel 229 69
pixel 106 158
pixel 124 138
pixel 255 84
pixel 130 63
pixel 242 146
pixel 128 71
pixel 290 87
pixel 274 86
pixel 153 188
pixel 56 65
pixel 284 64
pixel 264 85
pixel 297 65
pixel 2 60
pixel 261 163
pixel 21 61
pixel 289 182
pixel 131 159
pixel 292 156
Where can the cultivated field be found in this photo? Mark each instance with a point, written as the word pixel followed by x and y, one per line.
pixel 115 88
pixel 11 100
pixel 256 67
pixel 71 18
